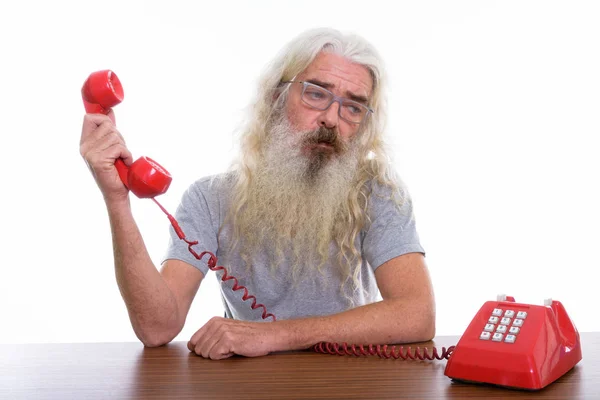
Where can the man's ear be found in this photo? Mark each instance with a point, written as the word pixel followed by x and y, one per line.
pixel 277 92
pixel 278 95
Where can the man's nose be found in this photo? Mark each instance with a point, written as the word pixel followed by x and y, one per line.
pixel 329 118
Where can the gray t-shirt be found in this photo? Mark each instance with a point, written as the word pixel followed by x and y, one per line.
pixel 203 208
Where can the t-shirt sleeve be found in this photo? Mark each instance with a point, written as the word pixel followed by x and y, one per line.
pixel 392 231
pixel 197 218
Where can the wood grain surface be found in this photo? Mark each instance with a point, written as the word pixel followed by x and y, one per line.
pixel 130 371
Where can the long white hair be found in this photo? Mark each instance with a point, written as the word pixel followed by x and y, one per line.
pixel 373 162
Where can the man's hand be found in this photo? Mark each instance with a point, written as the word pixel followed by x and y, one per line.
pixel 101 144
pixel 222 337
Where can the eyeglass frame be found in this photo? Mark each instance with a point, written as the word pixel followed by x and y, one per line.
pixel 334 99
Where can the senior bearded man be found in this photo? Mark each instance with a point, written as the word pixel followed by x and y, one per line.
pixel 310 218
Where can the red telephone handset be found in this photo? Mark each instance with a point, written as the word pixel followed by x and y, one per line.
pixel 101 91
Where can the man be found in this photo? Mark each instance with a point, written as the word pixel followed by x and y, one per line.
pixel 310 218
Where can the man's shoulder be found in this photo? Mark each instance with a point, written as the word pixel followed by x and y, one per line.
pixel 382 195
pixel 385 188
pixel 212 191
pixel 214 183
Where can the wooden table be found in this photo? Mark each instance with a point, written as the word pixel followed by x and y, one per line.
pixel 130 371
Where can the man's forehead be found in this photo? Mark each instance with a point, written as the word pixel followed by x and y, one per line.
pixel 339 72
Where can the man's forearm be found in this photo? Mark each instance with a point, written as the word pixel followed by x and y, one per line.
pixel 385 322
pixel 150 303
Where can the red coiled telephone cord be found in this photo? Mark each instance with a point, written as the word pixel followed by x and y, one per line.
pixel 383 351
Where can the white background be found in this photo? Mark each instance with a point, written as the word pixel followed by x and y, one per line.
pixel 494 120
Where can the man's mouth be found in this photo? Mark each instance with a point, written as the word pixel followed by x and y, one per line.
pixel 324 142
pixel 323 146
pixel 320 148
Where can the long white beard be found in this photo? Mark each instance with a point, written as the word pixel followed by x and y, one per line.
pixel 296 199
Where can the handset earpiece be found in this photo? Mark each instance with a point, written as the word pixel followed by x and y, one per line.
pixel 101 91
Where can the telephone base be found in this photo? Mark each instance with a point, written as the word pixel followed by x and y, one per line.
pixel 526 389
pixel 493 385
pixel 516 345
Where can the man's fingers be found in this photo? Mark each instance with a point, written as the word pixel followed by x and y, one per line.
pixel 97 144
pixel 215 347
pixel 204 339
pixel 196 337
pixel 103 135
pixel 91 122
pixel 97 125
pixel 220 350
pixel 208 339
pixel 97 159
pixel 126 156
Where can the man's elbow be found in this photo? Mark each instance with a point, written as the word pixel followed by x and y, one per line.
pixel 154 342
pixel 425 329
pixel 156 339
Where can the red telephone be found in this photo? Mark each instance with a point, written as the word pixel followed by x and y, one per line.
pixel 516 345
pixel 101 91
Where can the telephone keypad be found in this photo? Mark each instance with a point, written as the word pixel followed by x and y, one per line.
pixel 501 323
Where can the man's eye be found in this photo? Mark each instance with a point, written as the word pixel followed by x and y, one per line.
pixel 314 94
pixel 354 109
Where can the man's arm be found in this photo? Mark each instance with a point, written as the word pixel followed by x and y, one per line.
pixel 406 314
pixel 157 303
pixel 157 309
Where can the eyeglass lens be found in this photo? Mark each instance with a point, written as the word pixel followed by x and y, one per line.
pixel 322 99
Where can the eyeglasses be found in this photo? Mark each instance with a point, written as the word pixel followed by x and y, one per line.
pixel 321 99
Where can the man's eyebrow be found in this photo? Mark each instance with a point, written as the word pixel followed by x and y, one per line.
pixel 352 96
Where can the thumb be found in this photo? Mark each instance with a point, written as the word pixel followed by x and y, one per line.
pixel 111 115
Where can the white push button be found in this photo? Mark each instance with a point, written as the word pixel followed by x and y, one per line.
pixel 514 330
pixel 509 314
pixel 485 336
pixel 493 320
pixel 497 337
pixel 505 321
pixel 501 329
pixel 510 338
pixel 497 312
pixel 522 314
pixel 489 328
pixel 518 322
